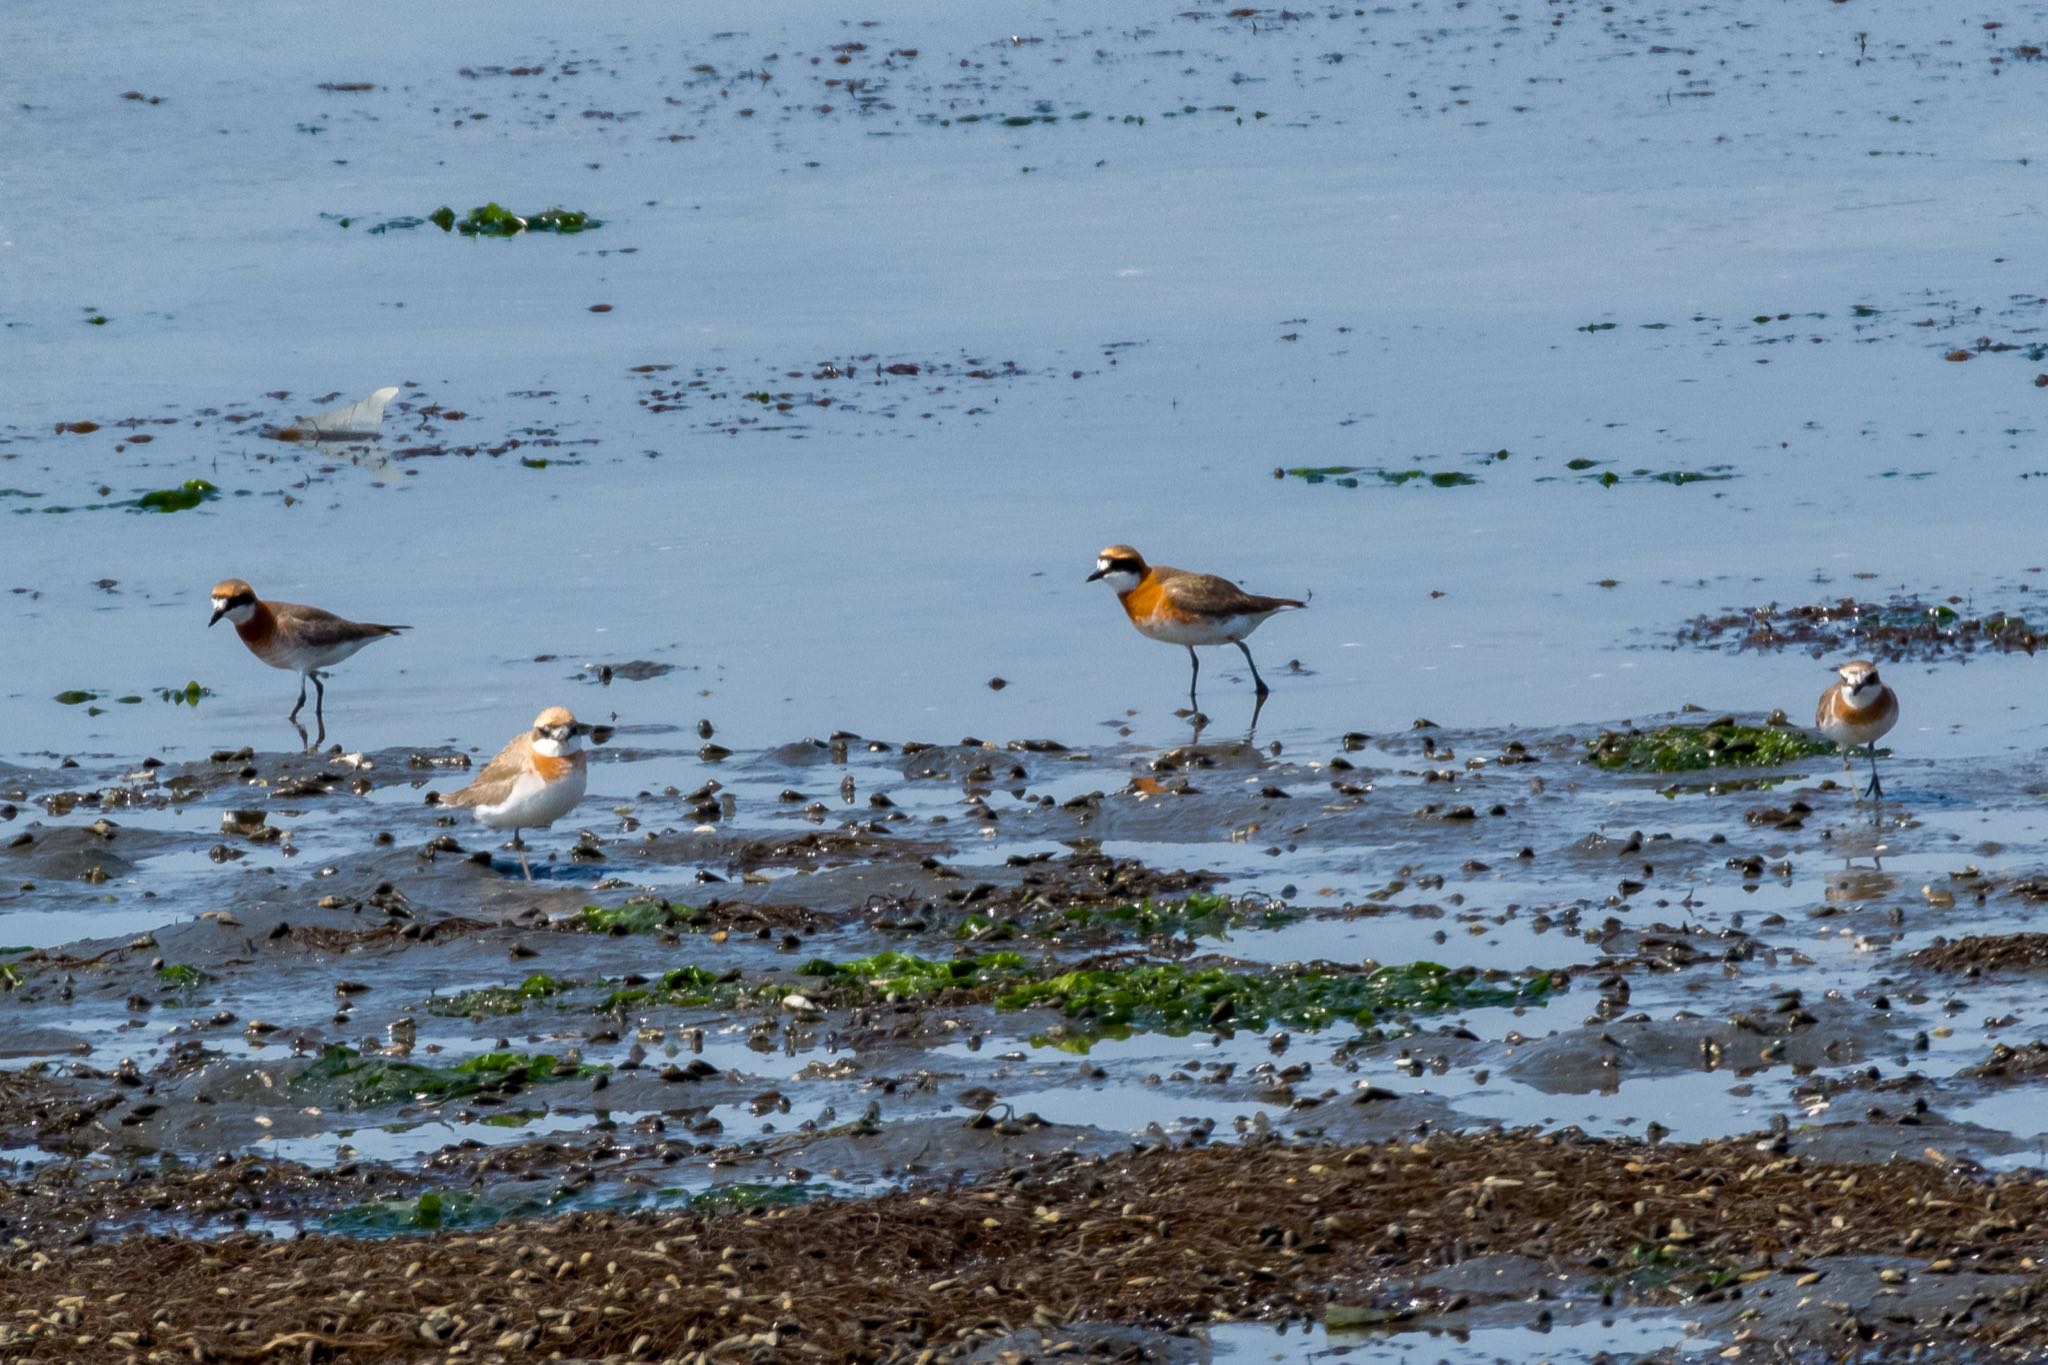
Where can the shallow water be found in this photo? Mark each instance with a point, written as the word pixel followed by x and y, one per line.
pixel 1430 253
pixel 1596 1338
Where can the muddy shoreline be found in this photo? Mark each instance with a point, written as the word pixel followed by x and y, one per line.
pixel 1776 1255
pixel 921 1076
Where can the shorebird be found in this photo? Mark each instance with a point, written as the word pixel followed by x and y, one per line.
pixel 534 781
pixel 1181 608
pixel 299 639
pixel 1858 710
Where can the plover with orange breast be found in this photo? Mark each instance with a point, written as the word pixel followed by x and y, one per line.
pixel 1858 710
pixel 534 781
pixel 1177 607
pixel 298 639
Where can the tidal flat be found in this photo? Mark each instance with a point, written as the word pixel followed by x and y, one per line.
pixel 921 979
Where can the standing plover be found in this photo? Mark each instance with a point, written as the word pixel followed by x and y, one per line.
pixel 298 639
pixel 534 781
pixel 1177 607
pixel 1858 710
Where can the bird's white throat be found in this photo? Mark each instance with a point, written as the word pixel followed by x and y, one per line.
pixel 1120 580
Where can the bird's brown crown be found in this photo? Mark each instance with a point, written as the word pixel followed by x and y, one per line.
pixel 1122 556
pixel 233 590
pixel 554 715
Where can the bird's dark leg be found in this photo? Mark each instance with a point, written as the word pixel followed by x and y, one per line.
pixel 302 699
pixel 1195 672
pixel 1257 681
pixel 319 701
pixel 1876 789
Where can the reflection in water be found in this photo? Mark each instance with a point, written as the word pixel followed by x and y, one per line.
pixel 1854 885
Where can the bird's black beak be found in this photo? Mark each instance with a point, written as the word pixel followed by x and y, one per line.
pixel 218 612
pixel 1097 574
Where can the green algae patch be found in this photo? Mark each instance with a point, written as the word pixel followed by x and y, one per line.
pixel 1175 999
pixel 495 220
pixel 1689 748
pixel 637 917
pixel 1350 476
pixel 177 976
pixel 683 987
pixel 885 976
pixel 498 999
pixel 183 498
pixel 742 1196
pixel 349 1080
pixel 903 976
pixel 430 1212
pixel 191 694
pixel 76 696
pixel 1202 915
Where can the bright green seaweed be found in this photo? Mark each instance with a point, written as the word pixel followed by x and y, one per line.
pixel 1688 748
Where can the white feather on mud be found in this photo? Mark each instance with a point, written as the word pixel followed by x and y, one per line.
pixel 357 421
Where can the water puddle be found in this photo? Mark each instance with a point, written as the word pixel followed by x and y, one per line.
pixel 1562 1342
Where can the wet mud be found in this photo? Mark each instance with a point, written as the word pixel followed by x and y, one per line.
pixel 897 981
pixel 1903 628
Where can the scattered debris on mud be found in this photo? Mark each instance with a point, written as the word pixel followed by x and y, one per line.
pixel 1903 628
pixel 1908 1255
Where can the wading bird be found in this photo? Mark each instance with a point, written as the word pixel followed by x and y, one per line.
pixel 1858 710
pixel 1177 607
pixel 298 639
pixel 534 781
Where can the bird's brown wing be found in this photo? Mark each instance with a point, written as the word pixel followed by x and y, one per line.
pixel 318 629
pixel 1204 594
pixel 494 783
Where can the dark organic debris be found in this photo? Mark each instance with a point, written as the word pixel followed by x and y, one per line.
pixel 1226 1231
pixel 1980 953
pixel 1904 628
pixel 494 220
pixel 1350 476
